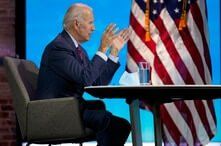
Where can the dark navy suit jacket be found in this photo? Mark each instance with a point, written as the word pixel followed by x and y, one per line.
pixel 63 73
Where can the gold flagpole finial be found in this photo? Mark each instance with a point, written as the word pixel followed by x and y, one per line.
pixel 147 21
pixel 183 19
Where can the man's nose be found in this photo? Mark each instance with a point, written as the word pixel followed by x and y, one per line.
pixel 93 28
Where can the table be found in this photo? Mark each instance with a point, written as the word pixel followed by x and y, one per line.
pixel 154 95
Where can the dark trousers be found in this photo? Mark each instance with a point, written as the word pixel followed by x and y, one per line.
pixel 110 130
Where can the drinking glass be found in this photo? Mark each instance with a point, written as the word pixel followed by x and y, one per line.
pixel 144 73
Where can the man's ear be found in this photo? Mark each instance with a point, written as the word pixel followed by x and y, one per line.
pixel 76 24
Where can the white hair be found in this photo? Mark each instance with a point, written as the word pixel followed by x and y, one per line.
pixel 74 12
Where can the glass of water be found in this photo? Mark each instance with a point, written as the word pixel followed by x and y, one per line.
pixel 144 73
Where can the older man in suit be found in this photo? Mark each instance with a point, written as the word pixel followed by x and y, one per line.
pixel 66 69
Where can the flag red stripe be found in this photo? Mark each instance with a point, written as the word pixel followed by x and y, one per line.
pixel 161 71
pixel 133 52
pixel 159 67
pixel 165 37
pixel 199 22
pixel 186 114
pixel 212 110
pixel 197 16
pixel 169 123
pixel 140 31
pixel 193 51
pixel 201 109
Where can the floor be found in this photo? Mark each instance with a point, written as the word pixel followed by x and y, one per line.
pixel 127 144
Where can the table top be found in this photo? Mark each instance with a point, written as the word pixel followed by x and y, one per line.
pixel 160 93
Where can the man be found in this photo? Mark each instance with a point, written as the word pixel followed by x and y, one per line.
pixel 66 69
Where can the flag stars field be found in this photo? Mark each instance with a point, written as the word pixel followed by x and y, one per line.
pixel 176 10
pixel 154 12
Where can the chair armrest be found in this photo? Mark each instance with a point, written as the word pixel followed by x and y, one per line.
pixel 54 118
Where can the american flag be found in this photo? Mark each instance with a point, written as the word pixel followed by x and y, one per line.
pixel 172 36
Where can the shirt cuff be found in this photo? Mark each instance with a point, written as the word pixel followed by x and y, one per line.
pixel 113 58
pixel 102 55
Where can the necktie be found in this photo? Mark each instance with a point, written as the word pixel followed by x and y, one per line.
pixel 80 52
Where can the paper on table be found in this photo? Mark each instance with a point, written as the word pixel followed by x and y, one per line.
pixel 129 79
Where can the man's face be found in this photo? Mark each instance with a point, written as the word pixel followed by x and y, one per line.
pixel 86 27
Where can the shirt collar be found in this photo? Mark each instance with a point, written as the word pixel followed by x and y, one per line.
pixel 73 39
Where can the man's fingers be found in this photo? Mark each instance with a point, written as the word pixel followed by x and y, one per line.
pixel 115 39
pixel 125 34
pixel 110 28
pixel 115 30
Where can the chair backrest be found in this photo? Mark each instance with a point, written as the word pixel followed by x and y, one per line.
pixel 22 77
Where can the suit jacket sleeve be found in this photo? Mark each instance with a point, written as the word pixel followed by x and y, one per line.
pixel 107 74
pixel 64 63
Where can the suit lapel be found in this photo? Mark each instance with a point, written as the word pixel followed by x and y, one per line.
pixel 66 36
